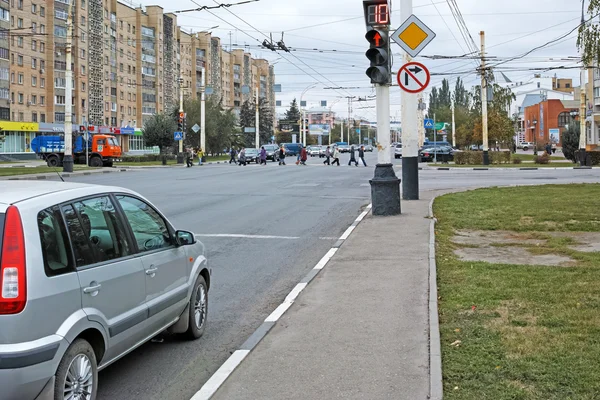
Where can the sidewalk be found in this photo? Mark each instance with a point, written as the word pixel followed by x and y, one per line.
pixel 360 329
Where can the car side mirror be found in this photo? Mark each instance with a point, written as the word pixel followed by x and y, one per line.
pixel 185 238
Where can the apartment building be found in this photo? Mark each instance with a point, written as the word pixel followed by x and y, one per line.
pixel 129 61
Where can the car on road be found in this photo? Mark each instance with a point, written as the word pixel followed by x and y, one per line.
pixel 313 150
pixel 252 155
pixel 272 150
pixel 441 153
pixel 343 148
pixel 292 149
pixel 398 150
pixel 526 145
pixel 368 148
pixel 88 273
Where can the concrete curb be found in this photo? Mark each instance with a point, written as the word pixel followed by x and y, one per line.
pixel 503 169
pixel 34 177
pixel 436 390
pixel 230 365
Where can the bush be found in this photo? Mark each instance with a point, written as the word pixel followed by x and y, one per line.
pixel 147 158
pixel 592 156
pixel 570 142
pixel 468 158
pixel 499 157
pixel 543 159
pixel 517 160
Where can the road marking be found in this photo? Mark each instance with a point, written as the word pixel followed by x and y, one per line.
pixel 321 264
pixel 361 216
pixel 215 381
pixel 275 315
pixel 241 236
pixel 295 292
pixel 347 233
pixel 327 238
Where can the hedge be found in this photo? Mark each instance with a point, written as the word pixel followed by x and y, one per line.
pixel 594 156
pixel 147 157
pixel 476 157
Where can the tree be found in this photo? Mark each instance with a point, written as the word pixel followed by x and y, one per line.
pixel 588 39
pixel 158 131
pixel 293 113
pixel 265 120
pixel 461 95
pixel 500 127
pixel 570 141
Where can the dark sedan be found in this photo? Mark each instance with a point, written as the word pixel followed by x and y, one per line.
pixel 441 153
pixel 252 155
pixel 272 151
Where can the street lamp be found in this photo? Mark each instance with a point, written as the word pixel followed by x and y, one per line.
pixel 535 137
pixel 303 133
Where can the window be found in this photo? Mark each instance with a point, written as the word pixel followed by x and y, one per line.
pixel 568 85
pixel 83 70
pixel 34 81
pixel 4 74
pixel 43 29
pixel 20 4
pixel 20 98
pixel 96 231
pixel 43 102
pixel 34 45
pixel 42 11
pixel 60 31
pixel 4 53
pixel 42 117
pixel 33 8
pixel 19 22
pixel 563 119
pixel 60 83
pixel 4 94
pixel 60 14
pixel 12 77
pixel 34 63
pixel 82 3
pixel 20 60
pixel 20 41
pixel 42 47
pixel 4 14
pixel 34 117
pixel 82 20
pixel 54 241
pixel 42 84
pixel 82 36
pixel 33 99
pixel 149 229
pixel 21 117
pixel 21 79
pixel 59 100
pixel 82 53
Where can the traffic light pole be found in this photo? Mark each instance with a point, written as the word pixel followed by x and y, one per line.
pixel 180 155
pixel 68 158
pixel 410 130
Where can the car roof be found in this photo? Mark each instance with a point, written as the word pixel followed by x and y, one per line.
pixel 12 192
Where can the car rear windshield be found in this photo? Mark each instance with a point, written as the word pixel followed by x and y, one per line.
pixel 1 232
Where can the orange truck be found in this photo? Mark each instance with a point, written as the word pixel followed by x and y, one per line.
pixel 102 150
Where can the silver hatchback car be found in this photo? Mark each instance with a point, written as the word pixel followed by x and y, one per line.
pixel 87 274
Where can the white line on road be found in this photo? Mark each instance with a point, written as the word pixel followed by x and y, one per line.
pixel 347 233
pixel 241 236
pixel 275 315
pixel 321 264
pixel 295 292
pixel 213 384
pixel 361 216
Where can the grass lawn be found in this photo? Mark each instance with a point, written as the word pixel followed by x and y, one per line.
pixel 42 169
pixel 525 332
pixel 529 157
pixel 523 165
pixel 169 162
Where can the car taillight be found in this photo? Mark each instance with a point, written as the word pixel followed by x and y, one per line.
pixel 13 295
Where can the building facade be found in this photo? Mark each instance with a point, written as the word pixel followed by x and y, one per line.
pixel 129 62
pixel 547 120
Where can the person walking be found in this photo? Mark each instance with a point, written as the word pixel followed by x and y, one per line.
pixel 303 156
pixel 336 157
pixel 548 148
pixel 200 156
pixel 281 155
pixel 263 156
pixel 232 155
pixel 327 156
pixel 242 158
pixel 361 155
pixel 189 157
pixel 352 157
pixel 298 155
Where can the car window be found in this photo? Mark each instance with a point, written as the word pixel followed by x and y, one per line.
pixel 95 228
pixel 101 142
pixel 149 229
pixel 54 242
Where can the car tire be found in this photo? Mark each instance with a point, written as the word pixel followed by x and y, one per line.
pixel 95 162
pixel 53 161
pixel 79 357
pixel 198 302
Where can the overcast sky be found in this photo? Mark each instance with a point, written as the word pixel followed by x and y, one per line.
pixel 339 25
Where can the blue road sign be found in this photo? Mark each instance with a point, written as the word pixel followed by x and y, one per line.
pixel 178 135
pixel 428 123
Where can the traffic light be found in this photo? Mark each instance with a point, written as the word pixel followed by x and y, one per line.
pixel 379 56
pixel 180 122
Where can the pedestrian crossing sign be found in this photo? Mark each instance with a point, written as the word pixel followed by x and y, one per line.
pixel 178 135
pixel 428 123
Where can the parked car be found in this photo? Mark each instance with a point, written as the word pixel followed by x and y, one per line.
pixel 343 148
pixel 272 151
pixel 292 149
pixel 88 273
pixel 313 150
pixel 398 150
pixel 368 148
pixel 475 147
pixel 322 151
pixel 526 145
pixel 442 153
pixel 252 155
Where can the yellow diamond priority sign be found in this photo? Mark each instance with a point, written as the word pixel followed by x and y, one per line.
pixel 413 36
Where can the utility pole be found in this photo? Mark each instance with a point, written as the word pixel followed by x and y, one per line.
pixel 257 136
pixel 484 113
pixel 453 127
pixel 180 155
pixel 349 113
pixel 342 132
pixel 410 140
pixel 582 106
pixel 68 158
pixel 421 119
pixel 203 113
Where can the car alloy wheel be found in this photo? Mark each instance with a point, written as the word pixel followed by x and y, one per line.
pixel 200 307
pixel 79 380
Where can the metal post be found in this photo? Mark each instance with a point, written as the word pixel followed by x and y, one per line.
pixel 349 114
pixel 582 108
pixel 302 139
pixel 342 132
pixel 87 140
pixel 484 113
pixel 203 114
pixel 256 122
pixel 180 153
pixel 453 127
pixel 68 158
pixel 434 141
pixel 410 133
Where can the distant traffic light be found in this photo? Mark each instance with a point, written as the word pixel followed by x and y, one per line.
pixel 379 56
pixel 180 122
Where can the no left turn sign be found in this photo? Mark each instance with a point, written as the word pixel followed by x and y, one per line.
pixel 413 77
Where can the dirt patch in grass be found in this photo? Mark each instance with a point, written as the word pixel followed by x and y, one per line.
pixel 512 255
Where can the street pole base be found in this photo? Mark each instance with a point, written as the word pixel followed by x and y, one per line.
pixel 180 158
pixel 582 158
pixel 486 157
pixel 410 178
pixel 385 191
pixel 68 164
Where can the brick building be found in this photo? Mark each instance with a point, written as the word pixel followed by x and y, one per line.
pixel 546 121
pixel 127 62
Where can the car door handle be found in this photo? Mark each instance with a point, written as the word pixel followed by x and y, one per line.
pixel 151 271
pixel 92 289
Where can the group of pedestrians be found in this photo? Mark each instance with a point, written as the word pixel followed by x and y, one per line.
pixel 190 153
pixel 336 156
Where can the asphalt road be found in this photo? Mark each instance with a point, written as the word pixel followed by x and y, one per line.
pixel 289 217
